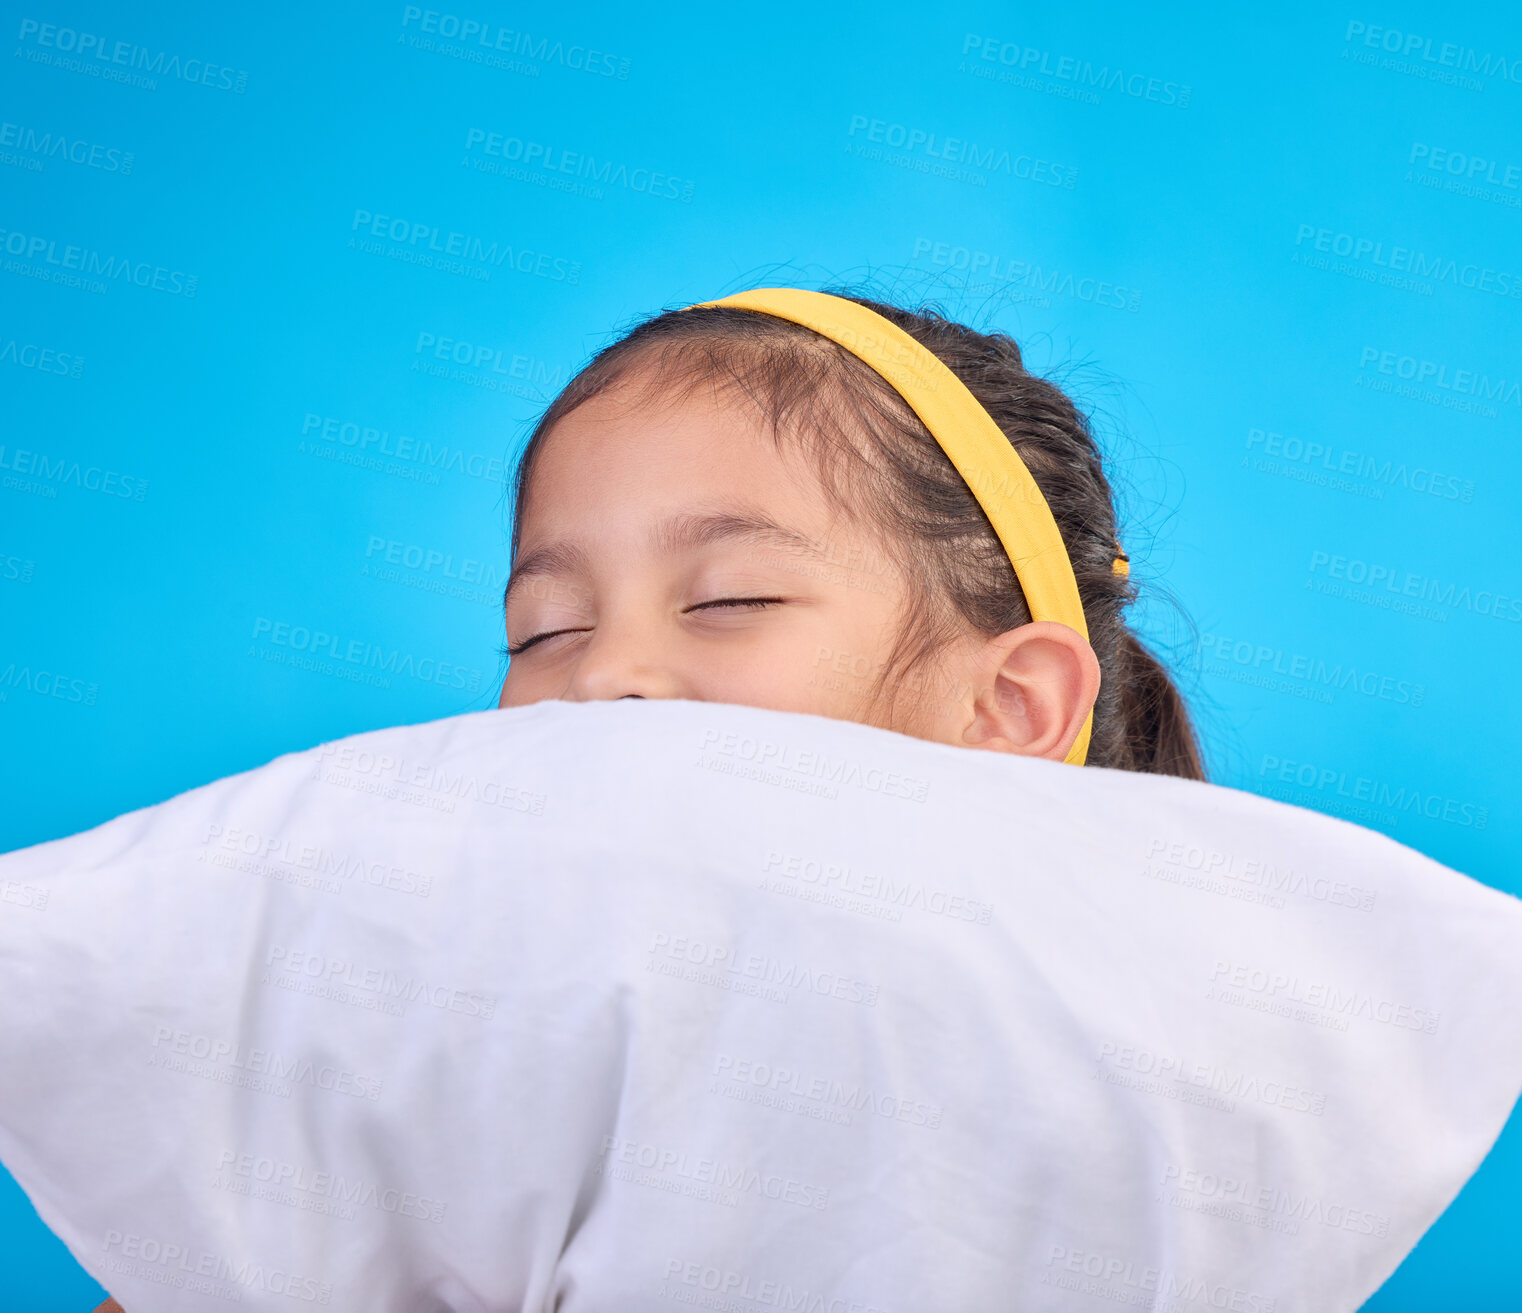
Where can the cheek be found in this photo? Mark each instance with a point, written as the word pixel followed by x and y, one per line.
pixel 770 667
pixel 523 686
pixel 775 677
pixel 814 669
pixel 511 692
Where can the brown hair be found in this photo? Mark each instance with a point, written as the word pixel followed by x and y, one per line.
pixel 881 466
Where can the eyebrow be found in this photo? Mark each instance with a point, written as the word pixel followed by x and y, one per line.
pixel 675 533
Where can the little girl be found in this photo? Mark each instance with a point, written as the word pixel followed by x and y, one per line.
pixel 821 504
pixel 727 505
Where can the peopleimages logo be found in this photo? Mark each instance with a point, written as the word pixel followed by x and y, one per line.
pixel 565 164
pixel 1124 1280
pixel 1405 259
pixel 1030 60
pixel 1042 281
pixel 472 32
pixel 254 1169
pixel 168 1264
pixel 426 244
pixel 57 146
pixel 784 757
pixel 1438 374
pixel 1249 655
pixel 66 472
pixel 44 359
pixel 1223 1195
pixel 231 846
pixel 1343 1001
pixel 16 568
pixel 320 646
pixel 1405 583
pixel 385 983
pixel 1460 173
pixel 47 684
pixel 1434 806
pixel 367 440
pixel 922 143
pixel 81 264
pixel 107 54
pixel 436 562
pixel 1331 458
pixel 1412 45
pixel 527 376
pixel 1439 159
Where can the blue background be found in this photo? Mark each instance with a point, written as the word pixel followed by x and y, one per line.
pixel 799 144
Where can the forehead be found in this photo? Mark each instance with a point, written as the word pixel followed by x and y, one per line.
pixel 632 452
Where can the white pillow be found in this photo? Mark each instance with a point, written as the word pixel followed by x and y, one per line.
pixel 643 1005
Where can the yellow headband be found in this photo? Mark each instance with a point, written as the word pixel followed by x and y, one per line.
pixel 967 434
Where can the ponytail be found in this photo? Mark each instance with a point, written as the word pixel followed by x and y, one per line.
pixel 1159 738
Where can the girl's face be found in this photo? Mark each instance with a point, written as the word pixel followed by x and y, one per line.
pixel 675 550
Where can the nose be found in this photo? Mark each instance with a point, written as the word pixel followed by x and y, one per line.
pixel 623 662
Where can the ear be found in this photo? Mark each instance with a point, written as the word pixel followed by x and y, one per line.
pixel 1035 686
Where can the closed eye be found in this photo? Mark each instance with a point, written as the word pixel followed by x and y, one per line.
pixel 739 603
pixel 539 638
pixel 744 603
